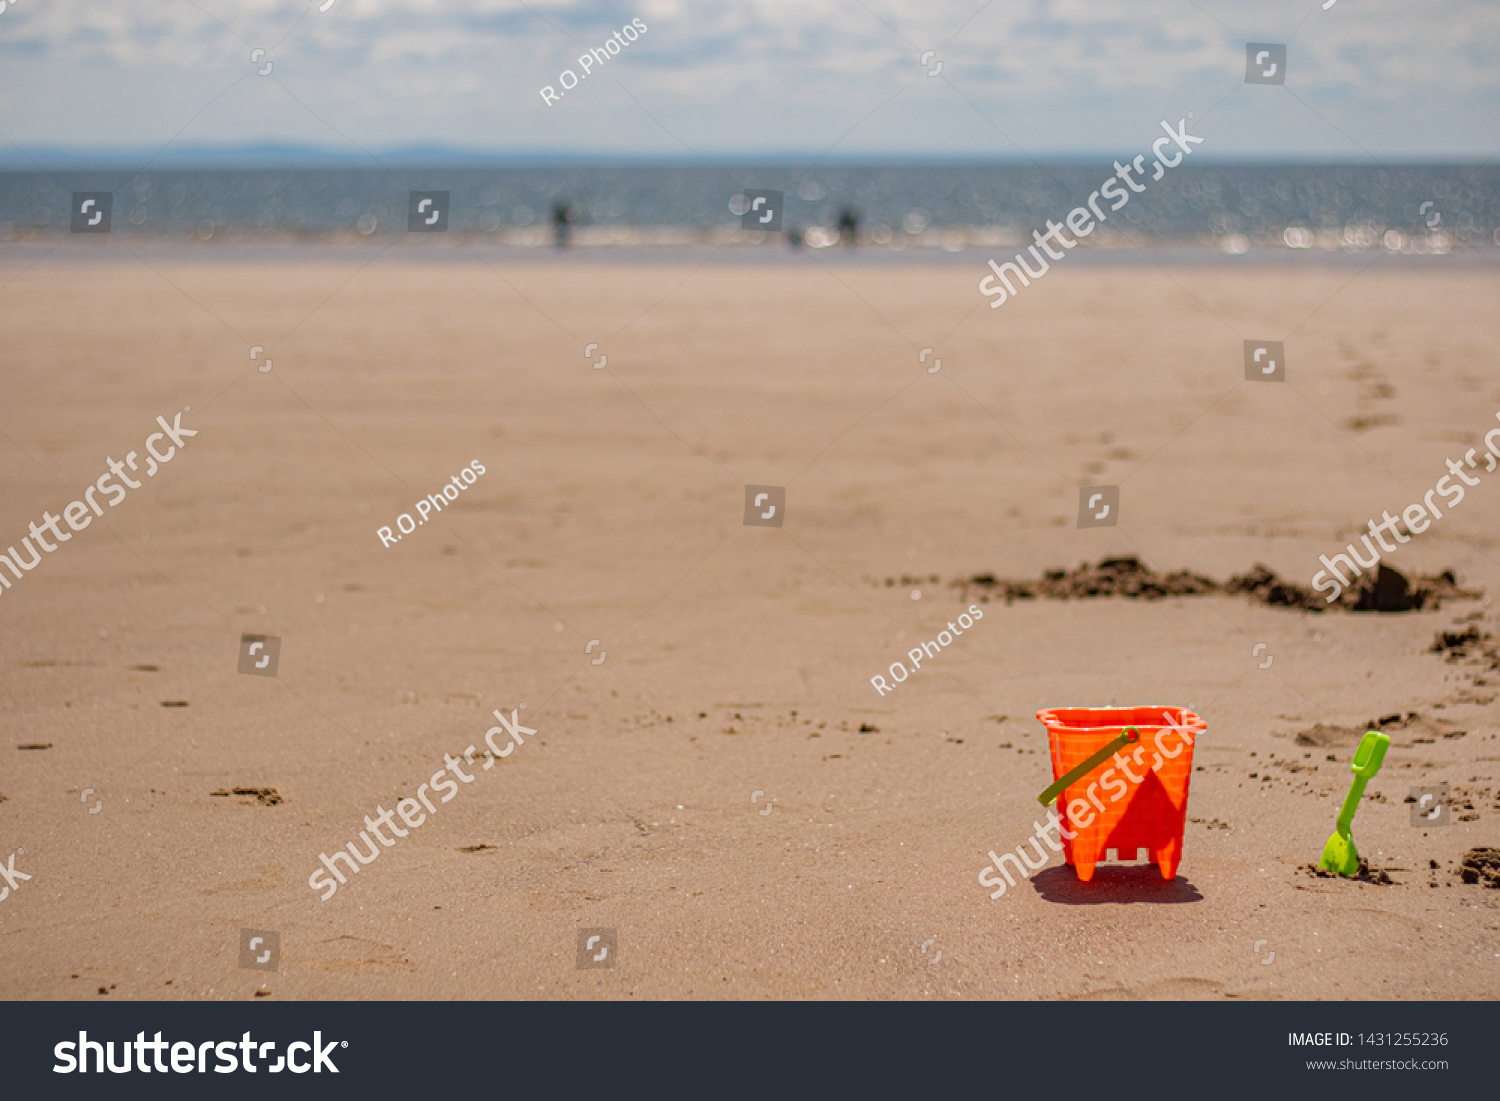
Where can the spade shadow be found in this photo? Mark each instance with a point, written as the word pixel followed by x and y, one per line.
pixel 1140 883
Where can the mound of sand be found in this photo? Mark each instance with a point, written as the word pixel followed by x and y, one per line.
pixel 1481 865
pixel 1471 645
pixel 1386 590
pixel 1366 874
pixel 1415 728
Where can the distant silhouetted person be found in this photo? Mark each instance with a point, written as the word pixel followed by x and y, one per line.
pixel 563 217
pixel 849 225
pixel 794 236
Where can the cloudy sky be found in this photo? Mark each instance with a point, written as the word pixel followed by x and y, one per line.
pixel 1367 80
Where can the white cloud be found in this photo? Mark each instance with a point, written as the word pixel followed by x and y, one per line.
pixel 749 77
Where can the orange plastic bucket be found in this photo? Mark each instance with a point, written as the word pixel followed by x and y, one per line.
pixel 1135 800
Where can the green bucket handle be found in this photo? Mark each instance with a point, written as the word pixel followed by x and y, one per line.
pixel 1048 797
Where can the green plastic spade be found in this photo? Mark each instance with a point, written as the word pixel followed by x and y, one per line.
pixel 1340 856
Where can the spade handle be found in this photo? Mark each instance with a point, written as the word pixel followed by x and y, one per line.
pixel 1367 760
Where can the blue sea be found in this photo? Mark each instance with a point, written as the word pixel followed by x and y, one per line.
pixel 943 207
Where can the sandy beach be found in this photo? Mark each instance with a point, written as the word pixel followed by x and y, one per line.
pixel 736 659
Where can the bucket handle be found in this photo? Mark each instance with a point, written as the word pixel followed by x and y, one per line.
pixel 1048 797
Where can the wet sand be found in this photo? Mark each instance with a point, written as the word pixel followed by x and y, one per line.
pixel 737 658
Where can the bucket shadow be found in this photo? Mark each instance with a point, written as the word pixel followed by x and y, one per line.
pixel 1112 884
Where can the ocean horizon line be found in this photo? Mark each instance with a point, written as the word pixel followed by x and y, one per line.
pixel 250 156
